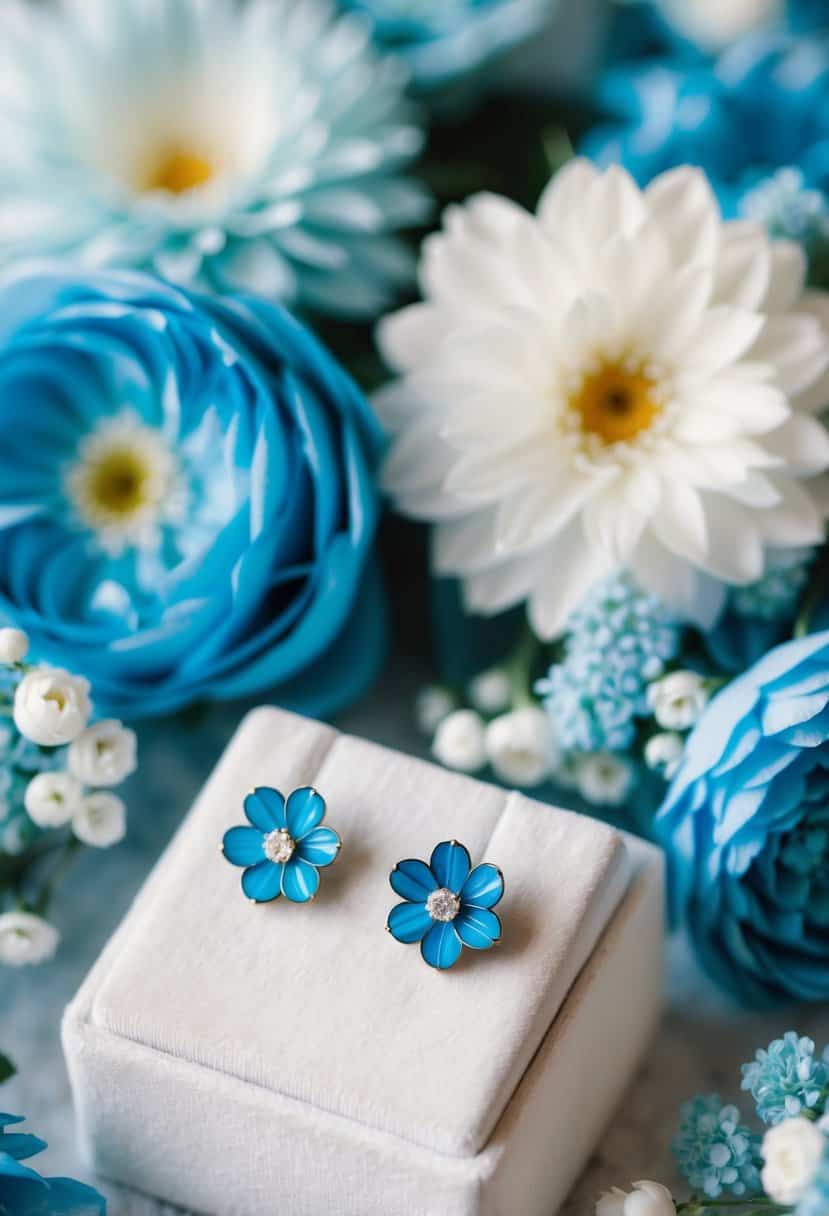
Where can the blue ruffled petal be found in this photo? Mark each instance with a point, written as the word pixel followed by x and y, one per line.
pixel 304 810
pixel 265 808
pixel 261 883
pixel 300 880
pixel 451 864
pixel 484 887
pixel 409 923
pixel 320 847
pixel 441 947
pixel 413 880
pixel 477 927
pixel 243 846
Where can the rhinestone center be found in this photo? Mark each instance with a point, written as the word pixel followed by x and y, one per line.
pixel 443 904
pixel 279 846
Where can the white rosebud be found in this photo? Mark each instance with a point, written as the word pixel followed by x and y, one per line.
pixel 491 691
pixel 604 779
pixel 677 700
pixel 663 753
pixel 26 939
pixel 103 754
pixel 521 746
pixel 51 799
pixel 459 741
pixel 101 820
pixel 432 705
pixel 646 1199
pixel 14 646
pixel 793 1151
pixel 51 707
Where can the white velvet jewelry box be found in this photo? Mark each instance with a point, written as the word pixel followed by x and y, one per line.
pixel 295 1059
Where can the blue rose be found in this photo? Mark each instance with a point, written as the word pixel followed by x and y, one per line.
pixel 187 497
pixel 24 1192
pixel 746 826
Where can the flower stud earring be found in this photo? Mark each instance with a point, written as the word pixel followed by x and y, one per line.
pixel 448 905
pixel 285 847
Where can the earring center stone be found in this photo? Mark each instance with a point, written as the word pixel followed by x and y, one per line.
pixel 279 846
pixel 443 904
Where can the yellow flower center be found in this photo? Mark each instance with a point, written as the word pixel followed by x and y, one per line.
pixel 116 484
pixel 616 402
pixel 178 170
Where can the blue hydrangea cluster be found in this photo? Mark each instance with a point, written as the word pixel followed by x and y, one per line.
pixel 787 1078
pixel 618 641
pixel 789 207
pixel 776 595
pixel 715 1151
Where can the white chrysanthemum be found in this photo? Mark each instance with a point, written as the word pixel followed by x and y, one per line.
pixel 622 380
pixel 248 145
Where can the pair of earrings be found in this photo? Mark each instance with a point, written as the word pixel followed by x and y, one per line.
pixel 446 903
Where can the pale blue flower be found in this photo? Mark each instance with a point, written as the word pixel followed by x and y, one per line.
pixel 716 1152
pixel 618 641
pixel 236 145
pixel 788 1078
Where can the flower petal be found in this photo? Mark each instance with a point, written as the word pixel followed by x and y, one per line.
pixel 320 846
pixel 412 879
pixel 300 880
pixel 484 887
pixel 243 846
pixel 477 927
pixel 261 883
pixel 441 947
pixel 265 808
pixel 304 810
pixel 409 923
pixel 450 864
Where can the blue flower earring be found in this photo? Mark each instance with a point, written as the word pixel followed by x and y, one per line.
pixel 448 905
pixel 286 846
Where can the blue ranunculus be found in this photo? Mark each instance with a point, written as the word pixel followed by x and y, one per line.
pixel 23 1192
pixel 746 826
pixel 187 499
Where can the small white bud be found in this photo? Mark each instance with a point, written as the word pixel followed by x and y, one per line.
pixel 101 820
pixel 604 779
pixel 646 1199
pixel 51 799
pixel 663 753
pixel 432 705
pixel 491 691
pixel 103 754
pixel 521 747
pixel 51 707
pixel 459 741
pixel 793 1151
pixel 14 646
pixel 678 699
pixel 26 939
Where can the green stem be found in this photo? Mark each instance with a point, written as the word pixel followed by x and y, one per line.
pixel 814 595
pixel 519 668
pixel 68 853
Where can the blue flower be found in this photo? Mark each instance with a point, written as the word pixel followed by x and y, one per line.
pixel 237 145
pixel 715 1151
pixel 189 510
pixel 24 1192
pixel 618 641
pixel 448 904
pixel 763 105
pixel 285 849
pixel 447 41
pixel 787 1079
pixel 746 826
pixel 816 1200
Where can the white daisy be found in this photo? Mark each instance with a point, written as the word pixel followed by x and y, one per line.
pixel 621 380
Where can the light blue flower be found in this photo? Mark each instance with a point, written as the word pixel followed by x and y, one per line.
pixel 617 642
pixel 189 510
pixel 816 1200
pixel 444 41
pixel 715 1151
pixel 746 826
pixel 787 1079
pixel 24 1192
pixel 448 905
pixel 286 847
pixel 236 145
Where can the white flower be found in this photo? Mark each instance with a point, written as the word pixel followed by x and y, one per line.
pixel 663 753
pixel 51 707
pixel 101 820
pixel 521 746
pixel 491 691
pixel 14 646
pixel 51 799
pixel 714 25
pixel 432 705
pixel 459 741
pixel 26 939
pixel 104 754
pixel 604 779
pixel 622 380
pixel 646 1199
pixel 677 700
pixel 792 1150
